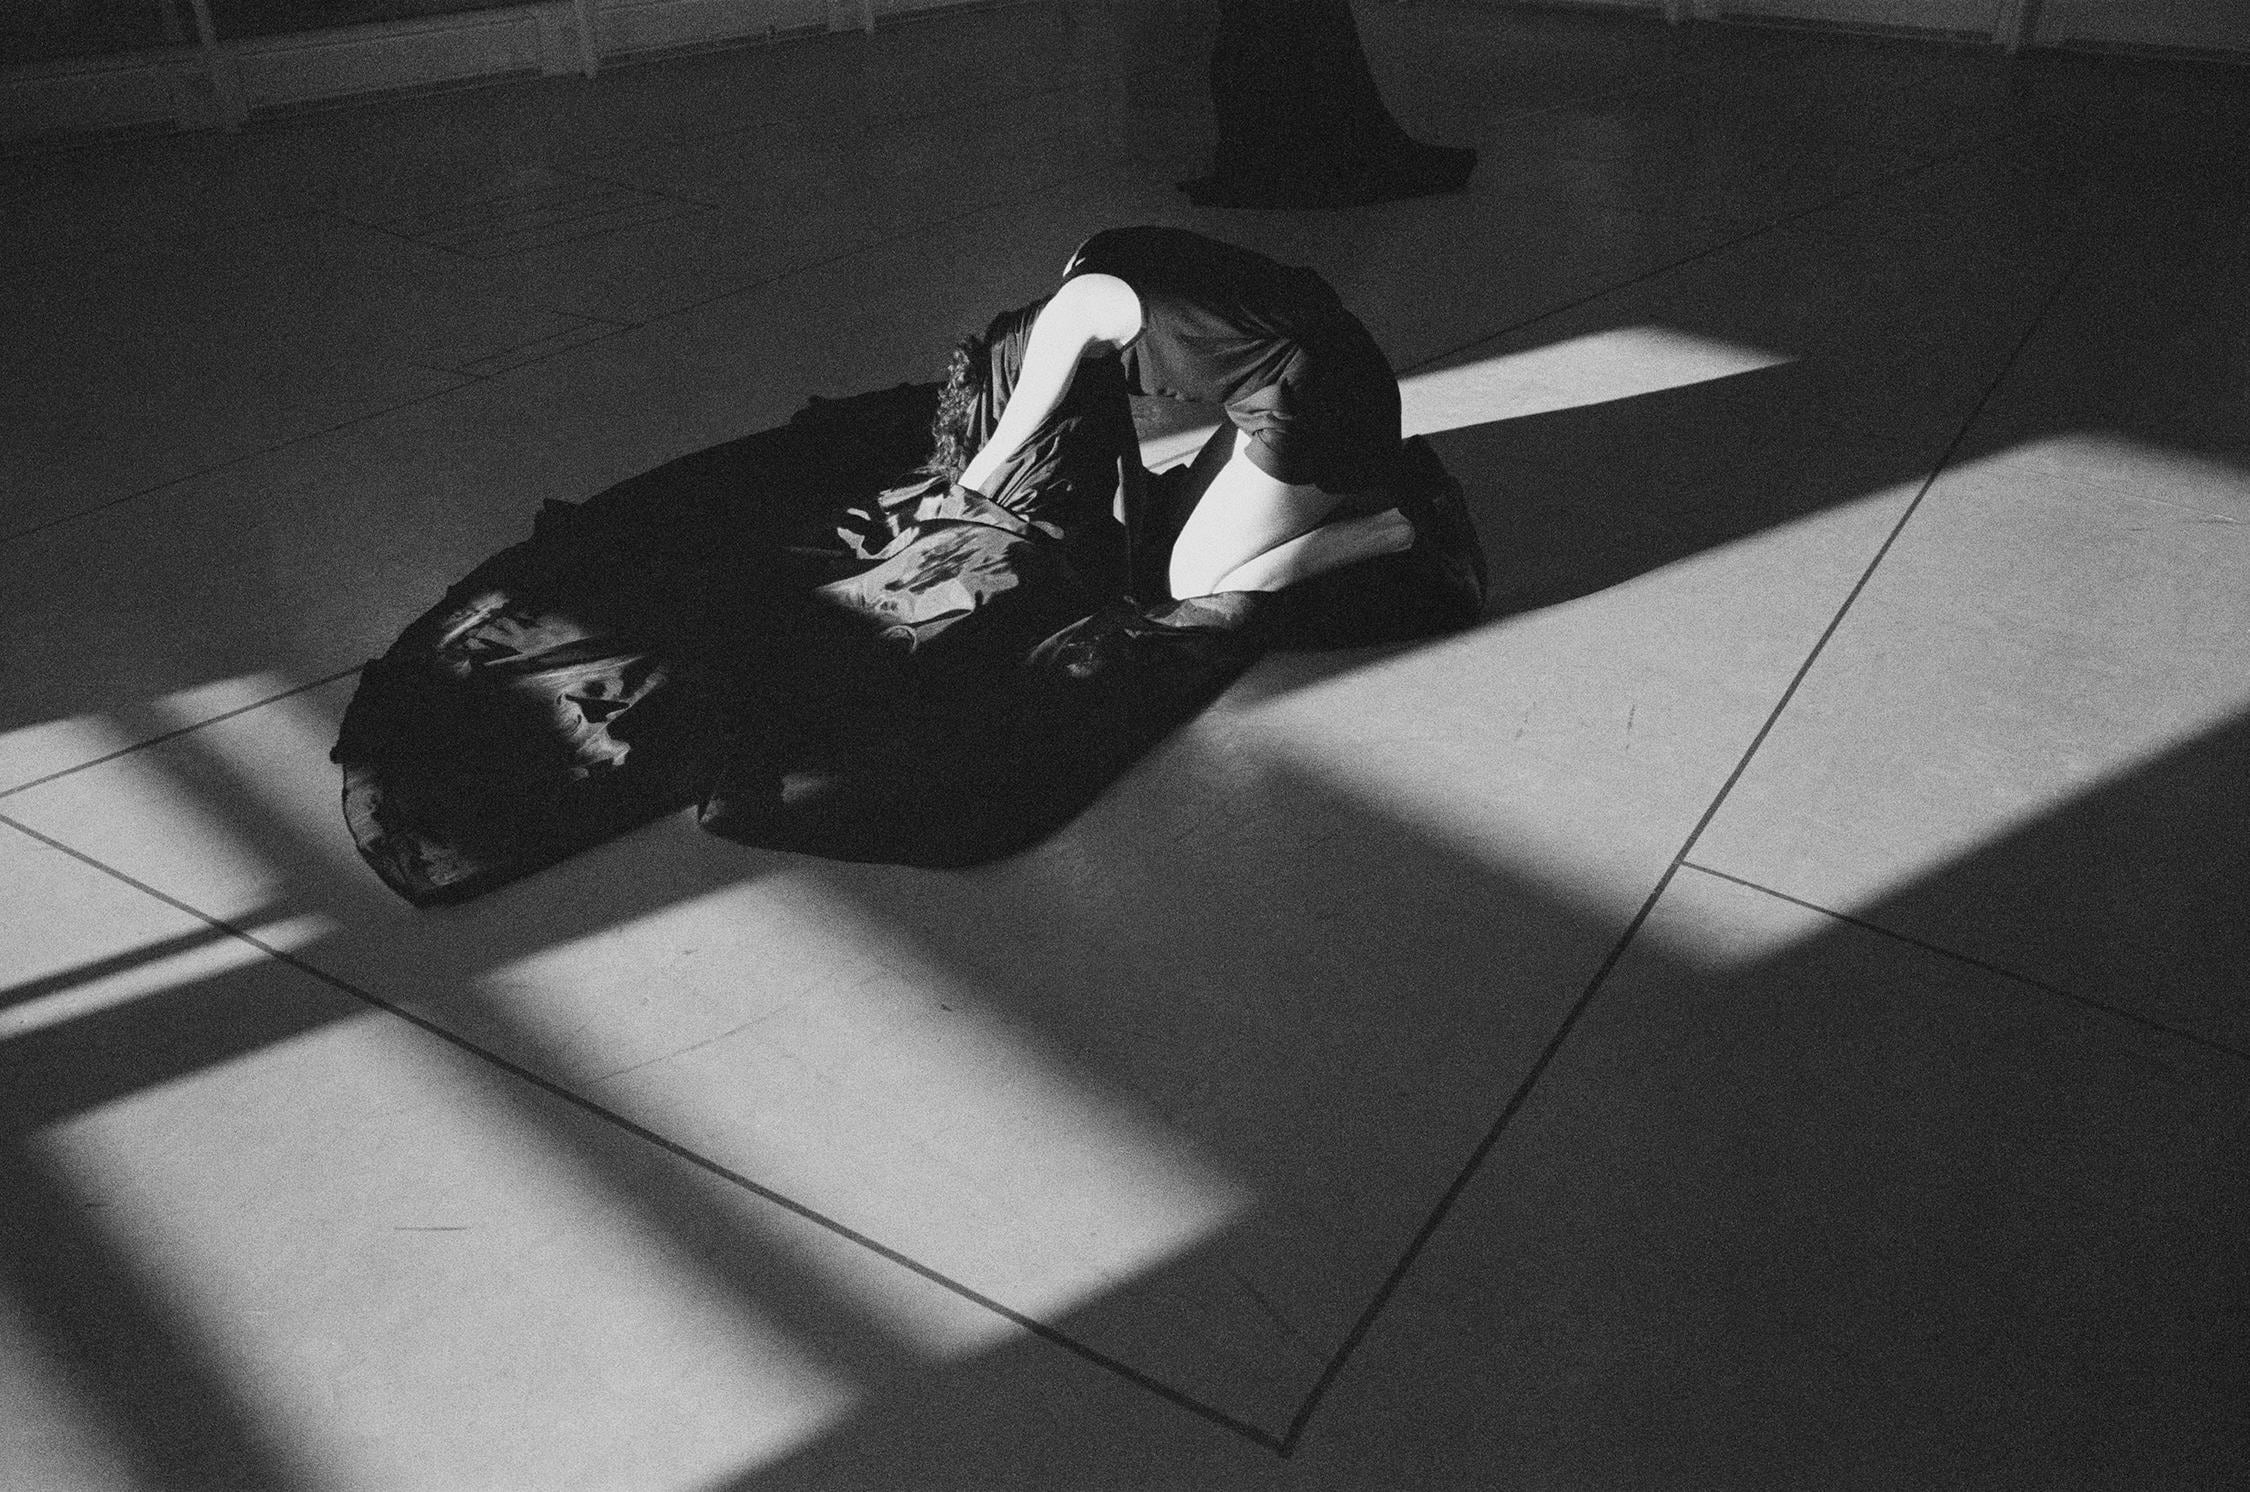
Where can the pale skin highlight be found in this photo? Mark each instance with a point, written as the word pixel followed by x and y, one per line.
pixel 1249 531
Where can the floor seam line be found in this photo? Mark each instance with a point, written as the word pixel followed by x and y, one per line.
pixel 478 380
pixel 470 380
pixel 1657 271
pixel 1469 1169
pixel 1988 966
pixel 1835 623
pixel 173 735
pixel 604 1114
pixel 158 489
pixel 1524 1087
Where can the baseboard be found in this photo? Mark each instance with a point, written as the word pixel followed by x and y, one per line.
pixel 1779 21
pixel 131 95
pixel 1651 8
pixel 637 28
pixel 2188 30
pixel 2153 51
pixel 1953 20
pixel 284 71
pixel 181 88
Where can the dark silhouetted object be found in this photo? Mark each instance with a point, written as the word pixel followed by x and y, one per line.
pixel 1301 123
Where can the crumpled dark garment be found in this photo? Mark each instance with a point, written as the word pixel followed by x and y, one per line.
pixel 704 635
pixel 601 673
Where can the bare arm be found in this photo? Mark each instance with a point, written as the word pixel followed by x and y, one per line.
pixel 1089 313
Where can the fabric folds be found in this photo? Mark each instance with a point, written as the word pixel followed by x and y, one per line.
pixel 710 635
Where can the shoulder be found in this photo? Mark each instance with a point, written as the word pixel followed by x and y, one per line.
pixel 1101 306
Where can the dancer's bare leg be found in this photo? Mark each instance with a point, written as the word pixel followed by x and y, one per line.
pixel 1253 532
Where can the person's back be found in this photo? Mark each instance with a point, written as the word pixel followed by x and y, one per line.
pixel 1218 321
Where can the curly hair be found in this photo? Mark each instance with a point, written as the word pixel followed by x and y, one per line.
pixel 953 434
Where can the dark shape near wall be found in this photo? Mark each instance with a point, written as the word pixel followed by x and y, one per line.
pixel 1300 121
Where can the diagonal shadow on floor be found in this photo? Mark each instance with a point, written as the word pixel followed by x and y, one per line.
pixel 1941 1223
pixel 142 1048
pixel 1401 885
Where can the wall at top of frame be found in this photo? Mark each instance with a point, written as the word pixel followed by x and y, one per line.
pixel 181 87
pixel 2214 27
pixel 1979 18
pixel 167 83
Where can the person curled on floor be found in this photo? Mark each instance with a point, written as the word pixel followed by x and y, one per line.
pixel 1306 475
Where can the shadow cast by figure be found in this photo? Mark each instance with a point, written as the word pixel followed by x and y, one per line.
pixel 1287 1008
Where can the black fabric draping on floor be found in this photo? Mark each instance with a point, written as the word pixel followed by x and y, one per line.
pixel 701 635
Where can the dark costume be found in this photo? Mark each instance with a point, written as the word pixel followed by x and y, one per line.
pixel 1300 121
pixel 1268 342
pixel 819 647
pixel 699 635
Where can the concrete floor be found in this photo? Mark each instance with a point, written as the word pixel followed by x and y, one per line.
pixel 1768 1009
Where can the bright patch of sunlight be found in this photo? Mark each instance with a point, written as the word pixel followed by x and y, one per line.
pixel 401 1269
pixel 1473 745
pixel 2097 634
pixel 2196 486
pixel 46 746
pixel 772 1024
pixel 274 762
pixel 224 815
pixel 793 1034
pixel 50 997
pixel 1593 369
pixel 28 752
pixel 399 1264
pixel 1926 840
pixel 238 816
pixel 1577 824
pixel 2031 644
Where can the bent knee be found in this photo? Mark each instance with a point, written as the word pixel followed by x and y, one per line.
pixel 1193 575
